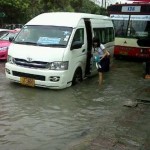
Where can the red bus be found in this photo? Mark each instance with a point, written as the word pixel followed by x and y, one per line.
pixel 132 30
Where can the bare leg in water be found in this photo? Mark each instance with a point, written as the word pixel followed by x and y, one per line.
pixel 100 78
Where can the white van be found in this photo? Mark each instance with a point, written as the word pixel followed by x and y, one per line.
pixel 54 50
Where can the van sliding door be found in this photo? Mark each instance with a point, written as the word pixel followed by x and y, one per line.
pixel 89 44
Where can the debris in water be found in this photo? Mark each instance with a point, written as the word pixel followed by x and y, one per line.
pixel 134 103
pixel 130 103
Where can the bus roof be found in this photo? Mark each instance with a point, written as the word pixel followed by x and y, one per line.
pixel 68 19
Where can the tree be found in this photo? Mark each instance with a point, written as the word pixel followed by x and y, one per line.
pixel 21 11
pixel 87 6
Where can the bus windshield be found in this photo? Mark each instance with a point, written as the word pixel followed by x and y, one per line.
pixel 52 36
pixel 134 26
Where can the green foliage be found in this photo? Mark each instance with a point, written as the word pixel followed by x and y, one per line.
pixel 21 11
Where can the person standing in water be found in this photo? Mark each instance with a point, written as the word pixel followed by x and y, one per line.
pixel 103 60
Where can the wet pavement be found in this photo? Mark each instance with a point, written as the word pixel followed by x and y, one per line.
pixel 82 117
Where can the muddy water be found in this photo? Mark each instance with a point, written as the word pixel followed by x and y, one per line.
pixel 43 119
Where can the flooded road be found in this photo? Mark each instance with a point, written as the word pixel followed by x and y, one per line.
pixel 82 117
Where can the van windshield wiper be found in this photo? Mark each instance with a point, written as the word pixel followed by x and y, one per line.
pixel 27 43
pixel 39 44
pixel 52 45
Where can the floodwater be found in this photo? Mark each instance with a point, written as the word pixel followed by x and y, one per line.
pixel 82 117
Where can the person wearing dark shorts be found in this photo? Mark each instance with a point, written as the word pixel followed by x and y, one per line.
pixel 104 61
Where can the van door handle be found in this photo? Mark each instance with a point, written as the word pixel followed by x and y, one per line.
pixel 83 50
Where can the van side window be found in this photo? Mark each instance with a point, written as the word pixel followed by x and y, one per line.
pixel 111 34
pixel 104 34
pixel 100 33
pixel 79 35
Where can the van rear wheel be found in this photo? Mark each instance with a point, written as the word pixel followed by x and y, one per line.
pixel 77 78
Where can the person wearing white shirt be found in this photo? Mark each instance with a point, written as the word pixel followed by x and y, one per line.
pixel 103 55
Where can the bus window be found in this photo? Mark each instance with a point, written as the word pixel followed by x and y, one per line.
pixel 120 27
pixel 141 28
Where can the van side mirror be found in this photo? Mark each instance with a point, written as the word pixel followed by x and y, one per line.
pixel 11 39
pixel 76 45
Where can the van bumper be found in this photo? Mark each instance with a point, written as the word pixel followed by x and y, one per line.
pixel 42 78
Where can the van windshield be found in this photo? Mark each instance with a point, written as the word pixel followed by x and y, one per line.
pixel 51 36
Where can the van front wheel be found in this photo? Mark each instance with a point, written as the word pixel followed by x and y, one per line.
pixel 77 78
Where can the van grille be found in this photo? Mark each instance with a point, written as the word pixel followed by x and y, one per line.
pixel 32 64
pixel 36 77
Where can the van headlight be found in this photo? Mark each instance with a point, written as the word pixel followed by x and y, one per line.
pixel 10 59
pixel 58 65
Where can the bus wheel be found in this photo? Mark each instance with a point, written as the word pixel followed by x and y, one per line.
pixel 77 78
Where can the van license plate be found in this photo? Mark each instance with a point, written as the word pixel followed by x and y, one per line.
pixel 27 81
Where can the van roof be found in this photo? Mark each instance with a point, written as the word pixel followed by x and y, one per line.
pixel 69 19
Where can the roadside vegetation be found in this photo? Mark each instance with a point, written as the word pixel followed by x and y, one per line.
pixel 21 11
